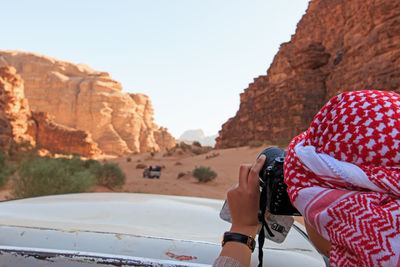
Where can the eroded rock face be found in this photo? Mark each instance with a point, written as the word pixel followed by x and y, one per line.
pixel 14 110
pixel 60 139
pixel 338 46
pixel 20 127
pixel 82 98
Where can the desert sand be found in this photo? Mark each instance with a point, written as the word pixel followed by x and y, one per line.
pixel 226 165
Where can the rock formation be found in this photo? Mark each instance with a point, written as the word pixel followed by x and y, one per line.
pixel 19 126
pixel 199 136
pixel 339 46
pixel 82 98
pixel 14 111
pixel 60 139
pixel 163 138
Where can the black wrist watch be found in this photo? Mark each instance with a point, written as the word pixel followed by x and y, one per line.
pixel 236 237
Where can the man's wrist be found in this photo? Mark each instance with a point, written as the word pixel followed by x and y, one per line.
pixel 245 230
pixel 240 238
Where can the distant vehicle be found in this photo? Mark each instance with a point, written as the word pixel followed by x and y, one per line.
pixel 152 172
pixel 122 229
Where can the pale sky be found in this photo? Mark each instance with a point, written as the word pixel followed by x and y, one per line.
pixel 191 57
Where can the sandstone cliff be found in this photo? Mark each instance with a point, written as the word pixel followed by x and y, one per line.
pixel 19 126
pixel 82 98
pixel 339 46
pixel 14 111
pixel 60 139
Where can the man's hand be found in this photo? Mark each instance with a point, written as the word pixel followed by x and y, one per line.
pixel 244 200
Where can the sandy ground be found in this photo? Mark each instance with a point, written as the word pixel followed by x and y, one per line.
pixel 226 164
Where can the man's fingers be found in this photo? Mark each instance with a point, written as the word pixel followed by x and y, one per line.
pixel 253 180
pixel 243 173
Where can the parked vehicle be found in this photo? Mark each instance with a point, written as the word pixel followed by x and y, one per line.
pixel 152 172
pixel 120 229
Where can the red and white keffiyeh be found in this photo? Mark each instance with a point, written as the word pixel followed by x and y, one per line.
pixel 343 175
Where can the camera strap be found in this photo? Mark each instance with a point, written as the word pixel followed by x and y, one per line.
pixel 264 225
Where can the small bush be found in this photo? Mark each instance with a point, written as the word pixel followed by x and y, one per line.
pixel 255 143
pixel 46 176
pixel 197 151
pixel 200 150
pixel 184 146
pixel 22 151
pixel 5 169
pixel 196 143
pixel 111 176
pixel 204 174
pixel 213 155
pixel 180 175
pixel 128 159
pixel 167 154
pixel 141 166
pixel 93 166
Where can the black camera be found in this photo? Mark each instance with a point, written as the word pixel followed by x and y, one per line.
pixel 274 190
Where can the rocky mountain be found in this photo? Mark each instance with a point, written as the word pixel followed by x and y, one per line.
pixel 338 46
pixel 199 136
pixel 19 126
pixel 79 97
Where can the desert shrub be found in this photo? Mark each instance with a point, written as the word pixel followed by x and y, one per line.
pixel 128 159
pixel 196 143
pixel 255 143
pixel 180 175
pixel 141 166
pixel 213 155
pixel 47 176
pixel 111 176
pixel 167 154
pixel 204 174
pixel 197 151
pixel 5 169
pixel 22 151
pixel 93 166
pixel 184 146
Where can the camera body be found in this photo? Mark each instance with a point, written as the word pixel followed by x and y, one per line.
pixel 273 184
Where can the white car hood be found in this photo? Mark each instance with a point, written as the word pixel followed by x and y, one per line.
pixel 115 222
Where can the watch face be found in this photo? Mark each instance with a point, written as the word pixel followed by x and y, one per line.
pixel 252 244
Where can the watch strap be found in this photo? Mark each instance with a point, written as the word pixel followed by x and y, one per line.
pixel 236 237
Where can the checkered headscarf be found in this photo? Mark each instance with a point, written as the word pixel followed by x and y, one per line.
pixel 343 175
